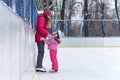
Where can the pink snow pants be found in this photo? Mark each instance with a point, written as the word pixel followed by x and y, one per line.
pixel 53 57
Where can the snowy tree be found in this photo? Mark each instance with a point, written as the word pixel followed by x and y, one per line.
pixel 117 13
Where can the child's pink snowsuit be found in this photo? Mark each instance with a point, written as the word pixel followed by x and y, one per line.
pixel 52 46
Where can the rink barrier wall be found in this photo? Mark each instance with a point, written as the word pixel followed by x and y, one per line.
pixel 17 46
pixel 90 42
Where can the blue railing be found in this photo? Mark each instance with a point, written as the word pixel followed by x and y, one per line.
pixel 88 28
pixel 25 9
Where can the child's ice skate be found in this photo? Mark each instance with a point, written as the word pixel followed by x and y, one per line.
pixel 53 71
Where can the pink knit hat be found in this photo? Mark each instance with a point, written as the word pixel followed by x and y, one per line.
pixel 47 12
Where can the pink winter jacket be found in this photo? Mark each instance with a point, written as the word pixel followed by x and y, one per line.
pixel 41 28
pixel 52 44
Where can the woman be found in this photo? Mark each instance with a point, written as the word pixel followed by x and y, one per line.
pixel 43 22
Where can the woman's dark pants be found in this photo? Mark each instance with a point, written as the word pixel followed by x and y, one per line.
pixel 40 56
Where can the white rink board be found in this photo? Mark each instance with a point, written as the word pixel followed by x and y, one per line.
pixel 17 46
pixel 91 42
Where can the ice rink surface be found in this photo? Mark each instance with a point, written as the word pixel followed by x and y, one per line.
pixel 95 63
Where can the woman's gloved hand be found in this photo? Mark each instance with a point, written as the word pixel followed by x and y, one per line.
pixel 49 37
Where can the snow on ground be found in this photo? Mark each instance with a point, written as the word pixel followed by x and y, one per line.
pixel 83 64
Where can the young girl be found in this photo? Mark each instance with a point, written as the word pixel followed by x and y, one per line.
pixel 53 46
